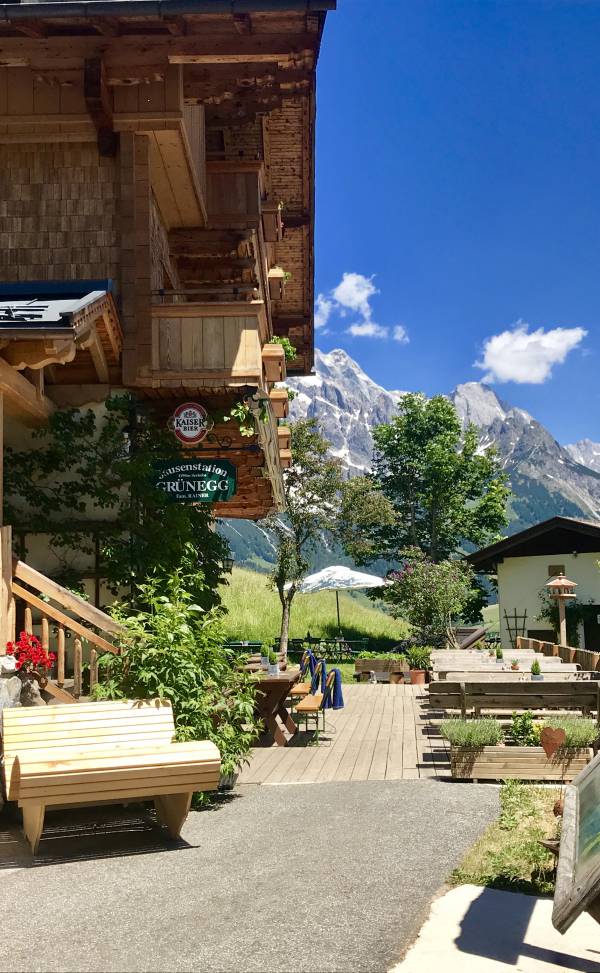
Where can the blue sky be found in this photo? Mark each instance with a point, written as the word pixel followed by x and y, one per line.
pixel 458 176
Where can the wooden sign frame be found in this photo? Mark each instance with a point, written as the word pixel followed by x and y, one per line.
pixel 578 881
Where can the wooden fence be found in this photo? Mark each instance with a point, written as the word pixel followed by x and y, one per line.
pixel 589 661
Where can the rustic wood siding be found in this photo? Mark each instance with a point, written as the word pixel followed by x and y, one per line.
pixel 199 344
pixel 59 210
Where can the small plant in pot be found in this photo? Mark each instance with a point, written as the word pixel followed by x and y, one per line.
pixel 499 656
pixel 515 665
pixel 264 658
pixel 419 661
pixel 536 671
pixel 273 663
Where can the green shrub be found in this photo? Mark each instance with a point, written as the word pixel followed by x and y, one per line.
pixel 273 657
pixel 499 652
pixel 524 732
pixel 174 650
pixel 536 669
pixel 289 349
pixel 419 657
pixel 472 733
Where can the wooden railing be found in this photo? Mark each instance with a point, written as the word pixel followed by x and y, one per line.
pixel 586 659
pixel 26 603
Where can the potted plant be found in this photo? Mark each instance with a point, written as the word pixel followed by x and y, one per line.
pixel 491 652
pixel 419 660
pixel 273 663
pixel 515 665
pixel 264 658
pixel 499 656
pixel 536 671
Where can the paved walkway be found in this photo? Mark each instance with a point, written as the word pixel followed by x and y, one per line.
pixel 384 732
pixel 477 930
pixel 331 878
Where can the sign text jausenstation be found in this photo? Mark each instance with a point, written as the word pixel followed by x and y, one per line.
pixel 202 481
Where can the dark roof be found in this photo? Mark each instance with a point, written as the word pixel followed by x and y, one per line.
pixel 558 535
pixel 35 306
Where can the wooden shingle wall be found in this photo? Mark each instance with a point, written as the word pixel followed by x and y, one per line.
pixel 59 212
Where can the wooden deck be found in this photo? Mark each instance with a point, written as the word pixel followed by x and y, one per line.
pixel 384 732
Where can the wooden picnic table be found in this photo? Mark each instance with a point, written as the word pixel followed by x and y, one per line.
pixel 271 708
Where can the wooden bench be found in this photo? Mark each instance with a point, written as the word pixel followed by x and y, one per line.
pixel 567 673
pixel 105 752
pixel 506 695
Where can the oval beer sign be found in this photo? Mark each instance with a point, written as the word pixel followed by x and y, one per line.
pixel 191 423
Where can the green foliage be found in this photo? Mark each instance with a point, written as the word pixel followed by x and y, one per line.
pixel 536 669
pixel 364 511
pixel 429 595
pixel 515 665
pixel 419 657
pixel 509 855
pixel 499 652
pixel 174 650
pixel 444 492
pixel 472 733
pixel 87 476
pixel 245 417
pixel 272 658
pixel 289 349
pixel 523 730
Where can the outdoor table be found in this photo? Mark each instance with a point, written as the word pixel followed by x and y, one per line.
pixel 271 708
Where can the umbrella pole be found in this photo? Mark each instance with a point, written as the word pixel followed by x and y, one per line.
pixel 337 602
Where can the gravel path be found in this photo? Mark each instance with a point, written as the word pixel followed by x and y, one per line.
pixel 325 877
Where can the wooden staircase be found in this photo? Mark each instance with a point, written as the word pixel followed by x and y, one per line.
pixel 56 616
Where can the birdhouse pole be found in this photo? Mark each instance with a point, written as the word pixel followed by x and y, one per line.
pixel 562 590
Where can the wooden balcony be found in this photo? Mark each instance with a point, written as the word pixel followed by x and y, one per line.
pixel 212 346
pixel 234 193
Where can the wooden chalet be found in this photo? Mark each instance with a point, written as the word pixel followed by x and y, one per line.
pixel 156 203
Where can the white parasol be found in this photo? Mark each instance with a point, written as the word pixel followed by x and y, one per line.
pixel 337 578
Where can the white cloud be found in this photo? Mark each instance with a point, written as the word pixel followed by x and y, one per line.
pixel 524 356
pixel 354 292
pixel 400 334
pixel 323 309
pixel 352 298
pixel 367 329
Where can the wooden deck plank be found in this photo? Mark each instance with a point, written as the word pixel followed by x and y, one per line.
pixel 337 750
pixel 377 770
pixel 394 770
pixel 362 765
pixel 354 745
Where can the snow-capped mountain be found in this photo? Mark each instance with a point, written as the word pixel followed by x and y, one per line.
pixel 347 404
pixel 585 452
pixel 546 478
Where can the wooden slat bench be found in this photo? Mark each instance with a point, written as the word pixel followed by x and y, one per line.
pixel 506 695
pixel 108 752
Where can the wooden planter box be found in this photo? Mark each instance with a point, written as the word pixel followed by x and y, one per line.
pixel 517 763
pixel 273 357
pixel 272 222
pixel 283 435
pixel 280 403
pixel 277 282
pixel 381 667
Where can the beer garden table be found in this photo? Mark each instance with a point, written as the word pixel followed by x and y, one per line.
pixel 271 708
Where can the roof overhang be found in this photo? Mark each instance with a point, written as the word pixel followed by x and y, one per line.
pixel 558 535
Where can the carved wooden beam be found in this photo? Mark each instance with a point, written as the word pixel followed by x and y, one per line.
pixel 21 396
pixel 37 354
pixel 93 344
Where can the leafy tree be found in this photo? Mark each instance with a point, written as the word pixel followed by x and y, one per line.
pixel 429 595
pixel 87 481
pixel 364 512
pixel 312 487
pixel 443 489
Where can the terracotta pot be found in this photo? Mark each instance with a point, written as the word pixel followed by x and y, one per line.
pixel 417 677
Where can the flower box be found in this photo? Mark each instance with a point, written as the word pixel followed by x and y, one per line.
pixel 273 357
pixel 277 278
pixel 517 763
pixel 280 403
pixel 283 435
pixel 272 222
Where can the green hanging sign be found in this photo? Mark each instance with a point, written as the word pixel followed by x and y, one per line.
pixel 196 481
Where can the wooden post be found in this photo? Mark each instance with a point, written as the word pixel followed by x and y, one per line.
pixel 60 662
pixel 7 603
pixel 28 620
pixel 45 634
pixel 77 668
pixel 562 620
pixel 93 668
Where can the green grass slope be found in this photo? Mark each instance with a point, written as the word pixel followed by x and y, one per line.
pixel 254 613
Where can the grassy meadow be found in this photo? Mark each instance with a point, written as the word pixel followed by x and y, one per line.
pixel 254 613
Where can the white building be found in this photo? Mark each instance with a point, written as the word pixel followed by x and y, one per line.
pixel 524 562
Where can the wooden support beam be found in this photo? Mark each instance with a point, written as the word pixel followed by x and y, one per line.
pixel 107 26
pixel 99 104
pixel 93 344
pixel 7 602
pixel 176 26
pixel 242 23
pixel 21 397
pixel 31 28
